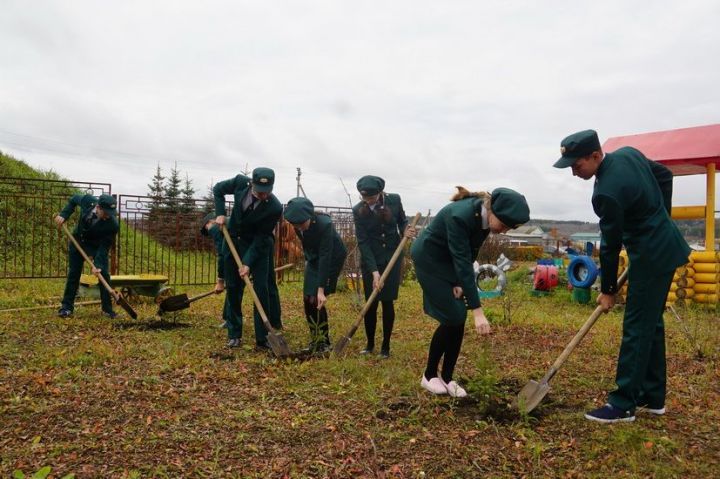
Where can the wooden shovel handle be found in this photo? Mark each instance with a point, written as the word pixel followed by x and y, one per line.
pixel 248 283
pixel 114 293
pixel 580 334
pixel 383 277
pixel 201 296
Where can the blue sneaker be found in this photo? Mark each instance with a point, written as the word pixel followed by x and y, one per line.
pixel 110 314
pixel 64 313
pixel 609 414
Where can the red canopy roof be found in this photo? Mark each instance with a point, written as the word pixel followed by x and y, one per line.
pixel 685 151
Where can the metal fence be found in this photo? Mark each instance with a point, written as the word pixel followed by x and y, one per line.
pixel 157 235
pixel 30 244
pixel 161 238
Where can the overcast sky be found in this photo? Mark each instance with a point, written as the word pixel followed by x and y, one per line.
pixel 426 94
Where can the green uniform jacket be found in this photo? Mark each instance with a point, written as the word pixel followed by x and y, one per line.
pixel 324 255
pixel 448 246
pixel 378 240
pixel 217 236
pixel 96 239
pixel 253 229
pixel 632 196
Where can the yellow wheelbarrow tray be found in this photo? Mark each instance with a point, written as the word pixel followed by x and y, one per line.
pixel 129 285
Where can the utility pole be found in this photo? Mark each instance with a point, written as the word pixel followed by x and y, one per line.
pixel 299 185
pixel 346 192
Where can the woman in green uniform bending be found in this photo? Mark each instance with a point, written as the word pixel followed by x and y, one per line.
pixel 443 255
pixel 379 224
pixel 324 258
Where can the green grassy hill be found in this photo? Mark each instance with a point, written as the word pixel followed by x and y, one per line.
pixel 31 246
pixel 12 167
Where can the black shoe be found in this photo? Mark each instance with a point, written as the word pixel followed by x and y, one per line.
pixel 384 354
pixel 265 346
pixel 64 313
pixel 368 350
pixel 234 343
pixel 610 414
pixel 323 348
pixel 110 314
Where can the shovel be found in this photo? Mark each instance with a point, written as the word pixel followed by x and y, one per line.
pixel 276 340
pixel 47 306
pixel 180 301
pixel 345 340
pixel 119 300
pixel 534 392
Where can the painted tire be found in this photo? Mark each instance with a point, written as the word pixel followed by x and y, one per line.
pixel 545 277
pixel 490 271
pixel 581 295
pixel 582 272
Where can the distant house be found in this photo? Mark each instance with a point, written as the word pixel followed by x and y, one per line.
pixel 526 235
pixel 583 238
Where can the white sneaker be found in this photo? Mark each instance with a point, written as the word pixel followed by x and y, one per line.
pixel 657 412
pixel 435 385
pixel 454 389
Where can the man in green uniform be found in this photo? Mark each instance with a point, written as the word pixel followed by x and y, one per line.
pixel 632 197
pixel 325 255
pixel 95 232
pixel 209 228
pixel 255 213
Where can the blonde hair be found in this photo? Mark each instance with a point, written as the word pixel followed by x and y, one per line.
pixel 463 193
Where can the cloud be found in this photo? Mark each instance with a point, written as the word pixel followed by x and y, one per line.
pixel 426 94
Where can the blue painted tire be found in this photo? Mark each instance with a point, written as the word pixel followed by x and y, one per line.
pixel 582 272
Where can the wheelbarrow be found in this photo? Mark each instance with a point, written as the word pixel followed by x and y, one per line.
pixel 129 285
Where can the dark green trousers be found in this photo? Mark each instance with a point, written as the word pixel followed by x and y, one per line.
pixel 274 311
pixel 263 278
pixel 641 373
pixel 75 267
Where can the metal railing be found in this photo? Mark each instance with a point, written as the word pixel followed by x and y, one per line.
pixel 30 244
pixel 157 235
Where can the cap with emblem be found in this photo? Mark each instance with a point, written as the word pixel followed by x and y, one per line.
pixel 577 145
pixel 263 179
pixel 107 203
pixel 370 185
pixel 298 210
pixel 206 219
pixel 510 207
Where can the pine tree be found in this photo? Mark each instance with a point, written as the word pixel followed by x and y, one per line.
pixel 209 199
pixel 188 202
pixel 172 189
pixel 156 189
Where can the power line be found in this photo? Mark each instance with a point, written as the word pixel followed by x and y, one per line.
pixel 46 145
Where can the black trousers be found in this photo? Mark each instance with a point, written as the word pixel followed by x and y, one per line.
pixel 388 319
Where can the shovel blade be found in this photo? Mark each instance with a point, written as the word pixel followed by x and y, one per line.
pixel 174 303
pixel 341 345
pixel 278 345
pixel 531 395
pixel 122 302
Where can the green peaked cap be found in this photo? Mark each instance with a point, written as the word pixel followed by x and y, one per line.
pixel 510 207
pixel 298 210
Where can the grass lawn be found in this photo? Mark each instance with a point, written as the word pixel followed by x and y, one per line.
pixel 91 397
